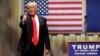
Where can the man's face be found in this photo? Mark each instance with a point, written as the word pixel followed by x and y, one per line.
pixel 31 9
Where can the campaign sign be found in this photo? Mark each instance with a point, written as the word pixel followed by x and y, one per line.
pixel 84 49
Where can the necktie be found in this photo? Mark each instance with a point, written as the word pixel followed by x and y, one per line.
pixel 35 37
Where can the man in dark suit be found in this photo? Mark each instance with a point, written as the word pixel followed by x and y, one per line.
pixel 34 33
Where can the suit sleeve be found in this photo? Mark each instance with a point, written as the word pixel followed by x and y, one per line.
pixel 47 40
pixel 21 40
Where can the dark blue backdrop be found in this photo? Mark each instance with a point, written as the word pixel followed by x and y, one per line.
pixel 93 15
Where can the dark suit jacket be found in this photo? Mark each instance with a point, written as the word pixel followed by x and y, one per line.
pixel 26 36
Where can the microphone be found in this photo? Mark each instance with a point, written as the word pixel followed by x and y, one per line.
pixel 85 25
pixel 85 19
pixel 23 18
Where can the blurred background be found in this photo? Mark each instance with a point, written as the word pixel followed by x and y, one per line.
pixel 9 31
pixel 10 11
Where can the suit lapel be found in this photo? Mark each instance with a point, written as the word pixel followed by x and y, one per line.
pixel 29 25
pixel 39 24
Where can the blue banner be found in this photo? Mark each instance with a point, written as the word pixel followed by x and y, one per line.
pixel 84 49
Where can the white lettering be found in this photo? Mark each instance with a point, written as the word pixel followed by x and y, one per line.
pixel 91 46
pixel 79 46
pixel 73 46
pixel 97 46
pixel 85 46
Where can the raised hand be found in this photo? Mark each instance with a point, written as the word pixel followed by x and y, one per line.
pixel 24 19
